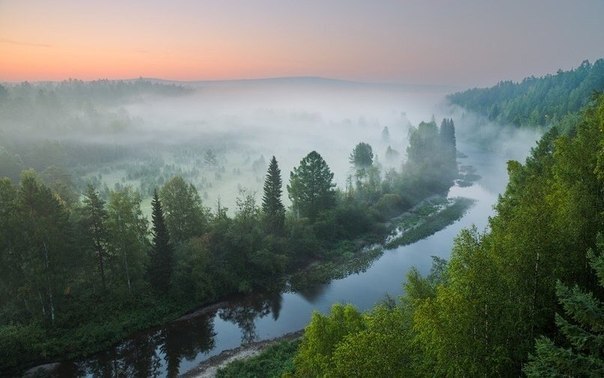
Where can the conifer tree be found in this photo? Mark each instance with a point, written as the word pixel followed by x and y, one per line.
pixel 161 256
pixel 272 207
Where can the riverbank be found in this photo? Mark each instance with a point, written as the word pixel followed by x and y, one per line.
pixel 434 214
pixel 210 367
pixel 350 257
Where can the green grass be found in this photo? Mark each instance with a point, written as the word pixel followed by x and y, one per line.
pixel 275 361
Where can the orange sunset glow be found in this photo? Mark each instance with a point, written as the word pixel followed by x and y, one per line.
pixel 401 41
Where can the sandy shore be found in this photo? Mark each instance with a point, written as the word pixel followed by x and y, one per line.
pixel 209 367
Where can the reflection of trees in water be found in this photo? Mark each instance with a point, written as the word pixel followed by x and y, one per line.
pixel 245 312
pixel 135 357
pixel 311 292
pixel 140 356
pixel 186 339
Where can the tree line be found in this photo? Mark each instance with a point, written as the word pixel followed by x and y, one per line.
pixel 543 101
pixel 71 269
pixel 526 296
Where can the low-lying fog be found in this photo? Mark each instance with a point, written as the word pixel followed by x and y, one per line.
pixel 244 121
pixel 221 135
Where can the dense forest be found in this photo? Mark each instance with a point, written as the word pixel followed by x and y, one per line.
pixel 83 269
pixel 523 297
pixel 543 101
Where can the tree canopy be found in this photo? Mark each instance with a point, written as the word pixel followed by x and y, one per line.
pixel 311 186
pixel 534 101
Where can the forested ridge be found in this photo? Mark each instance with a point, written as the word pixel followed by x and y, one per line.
pixel 525 296
pixel 80 271
pixel 543 101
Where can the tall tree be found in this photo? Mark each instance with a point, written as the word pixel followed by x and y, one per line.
pixel 183 210
pixel 272 207
pixel 321 337
pixel 9 257
pixel 45 244
pixel 582 330
pixel 160 256
pixel 361 156
pixel 361 159
pixel 449 148
pixel 94 222
pixel 127 229
pixel 311 187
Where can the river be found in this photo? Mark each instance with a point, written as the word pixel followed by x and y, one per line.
pixel 182 345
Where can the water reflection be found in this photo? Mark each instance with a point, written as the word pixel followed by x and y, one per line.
pixel 311 292
pixel 149 354
pixel 185 339
pixel 245 312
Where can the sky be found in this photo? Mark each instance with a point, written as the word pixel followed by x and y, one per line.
pixel 459 43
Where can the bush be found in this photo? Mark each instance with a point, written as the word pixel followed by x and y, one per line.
pixel 273 362
pixel 20 343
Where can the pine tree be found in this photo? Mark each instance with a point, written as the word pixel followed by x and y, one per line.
pixel 272 207
pixel 160 256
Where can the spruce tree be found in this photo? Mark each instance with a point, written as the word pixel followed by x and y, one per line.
pixel 272 207
pixel 160 256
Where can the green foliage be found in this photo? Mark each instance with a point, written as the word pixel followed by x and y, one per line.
pixel 43 246
pixel 347 343
pixel 94 218
pixel 275 361
pixel 431 162
pixel 184 213
pixel 160 265
pixel 311 187
pixel 80 275
pixel 18 343
pixel 321 337
pixel 128 230
pixel 361 156
pixel 536 101
pixel 499 293
pixel 272 207
pixel 380 350
pixel 428 224
pixel 582 329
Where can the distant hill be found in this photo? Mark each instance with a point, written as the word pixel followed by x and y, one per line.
pixel 535 101
pixel 303 81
